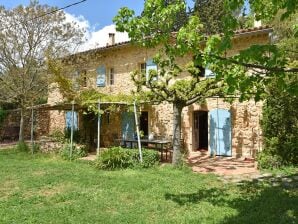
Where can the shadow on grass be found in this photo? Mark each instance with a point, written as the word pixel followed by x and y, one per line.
pixel 254 203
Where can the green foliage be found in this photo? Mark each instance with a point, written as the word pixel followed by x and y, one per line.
pixel 280 123
pixel 78 151
pixel 2 115
pixel 22 147
pixel 211 13
pixel 268 161
pixel 36 148
pixel 121 158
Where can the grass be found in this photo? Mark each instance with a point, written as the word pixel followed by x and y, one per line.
pixel 45 189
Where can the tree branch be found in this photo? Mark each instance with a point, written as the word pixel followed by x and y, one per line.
pixel 249 65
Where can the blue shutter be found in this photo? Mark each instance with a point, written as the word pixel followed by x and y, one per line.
pixel 220 132
pixel 209 73
pixel 101 76
pixel 150 65
pixel 76 76
pixel 68 118
pixel 128 125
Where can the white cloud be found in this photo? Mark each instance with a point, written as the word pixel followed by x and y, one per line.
pixel 95 38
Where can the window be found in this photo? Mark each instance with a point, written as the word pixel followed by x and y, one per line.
pixel 209 73
pixel 143 68
pixel 101 76
pixel 84 78
pixel 112 76
pixel 150 65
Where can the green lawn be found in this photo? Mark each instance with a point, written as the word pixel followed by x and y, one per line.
pixel 45 189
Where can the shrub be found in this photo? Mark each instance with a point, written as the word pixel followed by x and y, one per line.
pixel 280 123
pixel 78 151
pixel 268 161
pixel 22 146
pixel 150 158
pixel 121 158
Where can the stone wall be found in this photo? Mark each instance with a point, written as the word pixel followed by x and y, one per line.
pixel 12 124
pixel 246 130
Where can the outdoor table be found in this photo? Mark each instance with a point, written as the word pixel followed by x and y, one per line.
pixel 160 145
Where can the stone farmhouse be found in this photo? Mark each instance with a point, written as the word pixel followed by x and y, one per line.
pixel 217 126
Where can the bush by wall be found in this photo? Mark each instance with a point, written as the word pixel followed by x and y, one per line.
pixel 78 151
pixel 280 127
pixel 121 158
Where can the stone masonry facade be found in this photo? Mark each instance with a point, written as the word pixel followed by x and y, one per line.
pixel 125 58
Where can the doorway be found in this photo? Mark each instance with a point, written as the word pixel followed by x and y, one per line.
pixel 200 127
pixel 144 124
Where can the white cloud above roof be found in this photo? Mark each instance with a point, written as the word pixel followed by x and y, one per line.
pixel 95 38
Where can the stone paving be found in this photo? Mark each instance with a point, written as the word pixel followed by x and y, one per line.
pixel 238 171
pixel 201 162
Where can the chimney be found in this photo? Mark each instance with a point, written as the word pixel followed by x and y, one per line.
pixel 111 39
pixel 257 23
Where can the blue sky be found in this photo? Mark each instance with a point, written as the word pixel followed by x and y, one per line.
pixel 95 16
pixel 99 13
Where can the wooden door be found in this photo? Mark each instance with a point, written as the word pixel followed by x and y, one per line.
pixel 220 132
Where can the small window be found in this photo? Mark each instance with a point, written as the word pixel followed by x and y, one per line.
pixel 143 68
pixel 209 73
pixel 112 76
pixel 84 79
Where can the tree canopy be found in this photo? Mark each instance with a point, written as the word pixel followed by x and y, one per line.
pixel 27 35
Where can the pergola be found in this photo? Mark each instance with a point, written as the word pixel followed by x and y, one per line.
pixel 71 106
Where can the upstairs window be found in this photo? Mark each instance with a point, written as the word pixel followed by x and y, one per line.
pixel 209 73
pixel 143 68
pixel 150 65
pixel 84 78
pixel 101 76
pixel 111 76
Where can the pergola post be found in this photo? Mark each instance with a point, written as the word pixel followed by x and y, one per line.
pixel 138 132
pixel 98 129
pixel 71 129
pixel 32 130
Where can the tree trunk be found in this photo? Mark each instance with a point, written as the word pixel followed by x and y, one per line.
pixel 177 111
pixel 21 133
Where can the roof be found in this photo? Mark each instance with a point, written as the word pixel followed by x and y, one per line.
pixel 261 29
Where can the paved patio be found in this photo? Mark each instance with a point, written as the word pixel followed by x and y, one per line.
pixel 201 162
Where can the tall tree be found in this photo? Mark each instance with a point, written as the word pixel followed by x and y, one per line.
pixel 211 14
pixel 280 118
pixel 27 35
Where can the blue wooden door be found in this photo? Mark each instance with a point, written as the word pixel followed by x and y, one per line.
pixel 128 125
pixel 220 132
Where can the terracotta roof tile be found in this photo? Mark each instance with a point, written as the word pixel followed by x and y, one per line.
pixel 237 32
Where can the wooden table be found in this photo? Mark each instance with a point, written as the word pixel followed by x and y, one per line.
pixel 160 145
